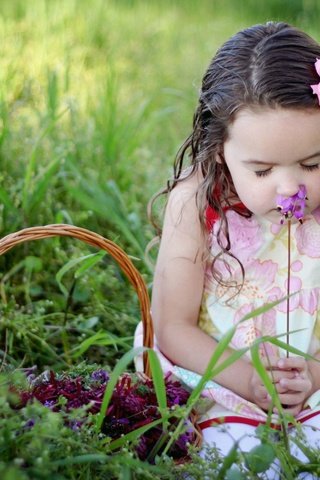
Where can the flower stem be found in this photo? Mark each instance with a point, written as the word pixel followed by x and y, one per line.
pixel 288 285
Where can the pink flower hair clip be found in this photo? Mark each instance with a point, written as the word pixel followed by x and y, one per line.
pixel 316 88
pixel 293 206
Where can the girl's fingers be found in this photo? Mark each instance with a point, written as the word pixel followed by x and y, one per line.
pixel 297 384
pixel 291 398
pixel 280 389
pixel 271 362
pixel 292 410
pixel 297 363
pixel 262 393
pixel 277 375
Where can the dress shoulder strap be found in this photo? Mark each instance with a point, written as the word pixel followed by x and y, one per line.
pixel 212 215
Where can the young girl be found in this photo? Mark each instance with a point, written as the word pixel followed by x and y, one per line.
pixel 224 250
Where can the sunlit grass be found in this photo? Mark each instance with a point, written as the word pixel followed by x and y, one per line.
pixel 126 74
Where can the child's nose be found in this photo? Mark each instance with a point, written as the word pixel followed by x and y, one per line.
pixel 288 188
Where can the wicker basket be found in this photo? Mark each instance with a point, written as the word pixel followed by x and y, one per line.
pixel 126 265
pixel 92 238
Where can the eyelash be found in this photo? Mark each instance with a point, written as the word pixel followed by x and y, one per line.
pixel 263 173
pixel 309 168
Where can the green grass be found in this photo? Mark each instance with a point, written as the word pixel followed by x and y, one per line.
pixel 95 99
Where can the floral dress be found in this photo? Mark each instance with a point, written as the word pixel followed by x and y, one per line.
pixel 262 248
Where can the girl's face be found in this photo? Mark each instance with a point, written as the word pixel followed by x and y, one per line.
pixel 271 152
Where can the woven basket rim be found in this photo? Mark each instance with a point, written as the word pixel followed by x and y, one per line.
pixel 96 240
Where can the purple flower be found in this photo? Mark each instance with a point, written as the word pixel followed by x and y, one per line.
pixel 115 427
pixel 292 206
pixel 142 448
pixel 133 405
pixel 29 372
pixel 49 403
pixel 75 425
pixel 29 424
pixel 176 394
pixel 100 376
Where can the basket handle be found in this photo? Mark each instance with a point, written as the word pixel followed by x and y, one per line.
pixel 96 240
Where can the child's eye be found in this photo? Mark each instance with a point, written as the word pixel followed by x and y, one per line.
pixel 263 173
pixel 309 168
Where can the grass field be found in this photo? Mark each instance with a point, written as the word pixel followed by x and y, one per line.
pixel 96 97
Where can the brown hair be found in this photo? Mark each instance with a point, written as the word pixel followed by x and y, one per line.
pixel 269 65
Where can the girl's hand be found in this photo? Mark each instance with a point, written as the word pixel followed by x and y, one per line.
pixel 258 392
pixel 294 389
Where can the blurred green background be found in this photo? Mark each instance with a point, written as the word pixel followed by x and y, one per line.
pixel 96 97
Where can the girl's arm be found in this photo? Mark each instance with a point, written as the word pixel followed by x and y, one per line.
pixel 178 289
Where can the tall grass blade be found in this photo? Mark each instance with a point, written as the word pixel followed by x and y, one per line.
pixel 158 382
pixel 41 185
pixel 82 459
pixel 4 117
pixel 52 94
pixel 103 203
pixel 220 349
pixel 89 261
pixel 262 372
pixel 118 370
pixel 31 165
pixel 6 200
pixel 102 339
pixel 125 473
pixel 132 436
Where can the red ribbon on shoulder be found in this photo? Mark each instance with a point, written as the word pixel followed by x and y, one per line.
pixel 212 215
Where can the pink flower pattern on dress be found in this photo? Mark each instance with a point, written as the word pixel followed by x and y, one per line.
pixel 307 299
pixel 249 330
pixel 308 239
pixel 256 286
pixel 245 236
pixel 259 278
